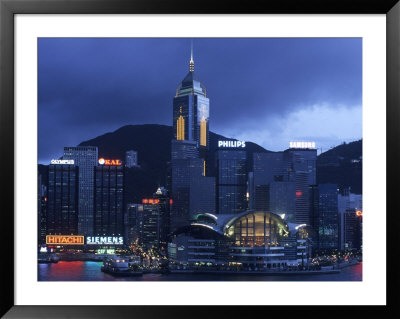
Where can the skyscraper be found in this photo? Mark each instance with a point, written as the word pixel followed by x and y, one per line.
pixel 131 159
pixel 191 111
pixel 281 182
pixel 85 157
pixel 304 164
pixel 328 217
pixel 231 181
pixel 62 203
pixel 191 190
pixel 109 200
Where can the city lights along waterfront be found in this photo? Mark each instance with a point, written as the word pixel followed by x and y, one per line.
pixel 90 271
pixel 222 209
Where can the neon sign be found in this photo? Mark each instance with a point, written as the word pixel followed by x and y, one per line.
pixel 302 144
pixel 359 213
pixel 150 201
pixel 68 162
pixel 110 162
pixel 104 240
pixel 64 240
pixel 232 144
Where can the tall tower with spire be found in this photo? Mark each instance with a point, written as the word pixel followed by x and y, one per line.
pixel 191 109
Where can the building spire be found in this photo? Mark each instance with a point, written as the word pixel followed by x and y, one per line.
pixel 191 63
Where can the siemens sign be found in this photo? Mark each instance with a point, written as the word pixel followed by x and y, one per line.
pixel 104 240
pixel 235 144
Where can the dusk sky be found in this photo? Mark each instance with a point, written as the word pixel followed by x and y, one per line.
pixel 268 91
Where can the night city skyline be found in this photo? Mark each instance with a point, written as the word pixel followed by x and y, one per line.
pixel 180 201
pixel 268 91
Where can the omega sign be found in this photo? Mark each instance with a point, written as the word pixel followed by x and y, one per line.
pixel 64 240
pixel 110 162
pixel 68 162
pixel 235 144
pixel 104 240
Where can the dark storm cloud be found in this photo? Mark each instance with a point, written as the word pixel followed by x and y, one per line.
pixel 88 87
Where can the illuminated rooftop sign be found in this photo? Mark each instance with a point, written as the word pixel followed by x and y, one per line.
pixel 110 162
pixel 302 144
pixel 64 240
pixel 104 240
pixel 67 162
pixel 150 201
pixel 231 144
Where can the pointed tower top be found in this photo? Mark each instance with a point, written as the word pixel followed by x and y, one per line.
pixel 191 62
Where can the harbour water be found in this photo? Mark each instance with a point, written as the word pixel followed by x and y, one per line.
pixel 90 271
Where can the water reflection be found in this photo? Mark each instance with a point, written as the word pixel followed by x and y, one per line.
pixel 91 271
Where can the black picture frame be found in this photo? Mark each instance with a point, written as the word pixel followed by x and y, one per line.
pixel 8 8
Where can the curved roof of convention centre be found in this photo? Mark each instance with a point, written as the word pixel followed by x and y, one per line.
pixel 220 223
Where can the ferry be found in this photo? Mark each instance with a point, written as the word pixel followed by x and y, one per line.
pixel 120 266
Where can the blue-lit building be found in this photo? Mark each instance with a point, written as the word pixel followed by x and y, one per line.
pixel 108 200
pixel 231 181
pixel 85 157
pixel 192 190
pixel 328 229
pixel 281 182
pixel 62 200
pixel 191 109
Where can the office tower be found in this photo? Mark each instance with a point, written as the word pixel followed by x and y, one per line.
pixel 282 199
pixel 250 190
pixel 42 211
pixel 304 165
pixel 131 159
pixel 132 223
pixel 348 203
pixel 153 220
pixel 181 150
pixel 231 181
pixel 191 111
pixel 62 200
pixel 352 229
pixel 109 200
pixel 85 157
pixel 192 192
pixel 314 213
pixel 274 183
pixel 328 217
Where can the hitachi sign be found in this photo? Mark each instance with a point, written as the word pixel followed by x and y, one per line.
pixel 231 144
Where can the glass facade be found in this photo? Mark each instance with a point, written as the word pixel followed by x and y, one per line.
pixel 232 181
pixel 109 201
pixel 258 229
pixel 191 109
pixel 62 200
pixel 85 157
pixel 328 231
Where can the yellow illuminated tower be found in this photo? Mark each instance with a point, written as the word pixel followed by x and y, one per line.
pixel 191 109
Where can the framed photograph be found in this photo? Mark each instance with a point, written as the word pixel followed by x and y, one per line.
pixel 162 154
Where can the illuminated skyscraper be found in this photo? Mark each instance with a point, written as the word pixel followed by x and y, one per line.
pixel 231 187
pixel 109 200
pixel 85 157
pixel 62 203
pixel 191 111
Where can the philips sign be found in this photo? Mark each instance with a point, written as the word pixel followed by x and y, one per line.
pixel 302 144
pixel 235 144
pixel 104 240
pixel 68 162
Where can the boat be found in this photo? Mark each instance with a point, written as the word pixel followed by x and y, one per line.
pixel 47 258
pixel 120 266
